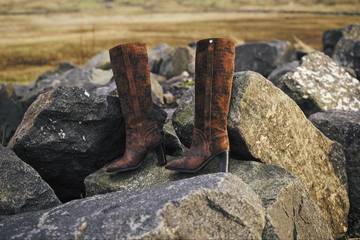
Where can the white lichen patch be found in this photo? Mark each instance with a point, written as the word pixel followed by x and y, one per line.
pixel 323 81
pixel 61 134
pixel 86 93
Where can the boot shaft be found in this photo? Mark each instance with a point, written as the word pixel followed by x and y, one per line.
pixel 131 71
pixel 213 82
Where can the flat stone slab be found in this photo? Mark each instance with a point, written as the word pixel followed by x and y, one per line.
pixel 216 206
pixel 289 210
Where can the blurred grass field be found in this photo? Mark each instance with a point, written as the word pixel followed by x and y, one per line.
pixel 37 35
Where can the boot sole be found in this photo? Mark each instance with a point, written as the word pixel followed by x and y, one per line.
pixel 222 157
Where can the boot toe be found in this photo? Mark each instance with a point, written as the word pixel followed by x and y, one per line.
pixel 109 168
pixel 175 164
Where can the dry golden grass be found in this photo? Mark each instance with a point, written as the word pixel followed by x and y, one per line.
pixel 31 44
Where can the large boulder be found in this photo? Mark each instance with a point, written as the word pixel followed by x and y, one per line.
pixel 289 210
pixel 274 130
pixel 66 134
pixel 320 84
pixel 347 50
pixel 21 187
pixel 263 57
pixel 330 38
pixel 266 125
pixel 11 113
pixel 344 127
pixel 205 207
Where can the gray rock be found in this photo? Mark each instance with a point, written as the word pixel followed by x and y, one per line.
pixel 45 81
pixel 11 113
pixel 275 131
pixel 266 125
pixel 157 55
pixel 66 134
pixel 344 127
pixel 289 210
pixel 263 57
pixel 183 117
pixel 290 213
pixel 347 50
pixel 106 90
pixel 178 85
pixel 21 187
pixel 180 60
pixel 280 71
pixel 157 93
pixel 100 77
pixel 68 75
pixel 217 206
pixel 100 61
pixel 319 84
pixel 173 145
pixel 330 39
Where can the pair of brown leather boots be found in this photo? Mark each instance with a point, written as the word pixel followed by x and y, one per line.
pixel 214 68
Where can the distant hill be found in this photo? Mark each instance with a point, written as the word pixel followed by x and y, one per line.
pixel 53 6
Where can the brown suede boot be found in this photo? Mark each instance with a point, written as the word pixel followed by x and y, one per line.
pixel 213 82
pixel 129 63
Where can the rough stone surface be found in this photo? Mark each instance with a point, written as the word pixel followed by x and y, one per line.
pixel 330 39
pixel 21 187
pixel 181 59
pixel 290 212
pixel 274 130
pixel 183 117
pixel 11 113
pixel 178 85
pixel 347 50
pixel 320 84
pixel 280 71
pixel 159 54
pixel 267 125
pixel 100 61
pixel 263 57
pixel 217 206
pixel 100 77
pixel 173 145
pixel 157 93
pixel 68 133
pixel 344 127
pixel 90 77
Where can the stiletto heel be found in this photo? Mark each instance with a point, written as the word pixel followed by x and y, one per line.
pixel 223 161
pixel 160 153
